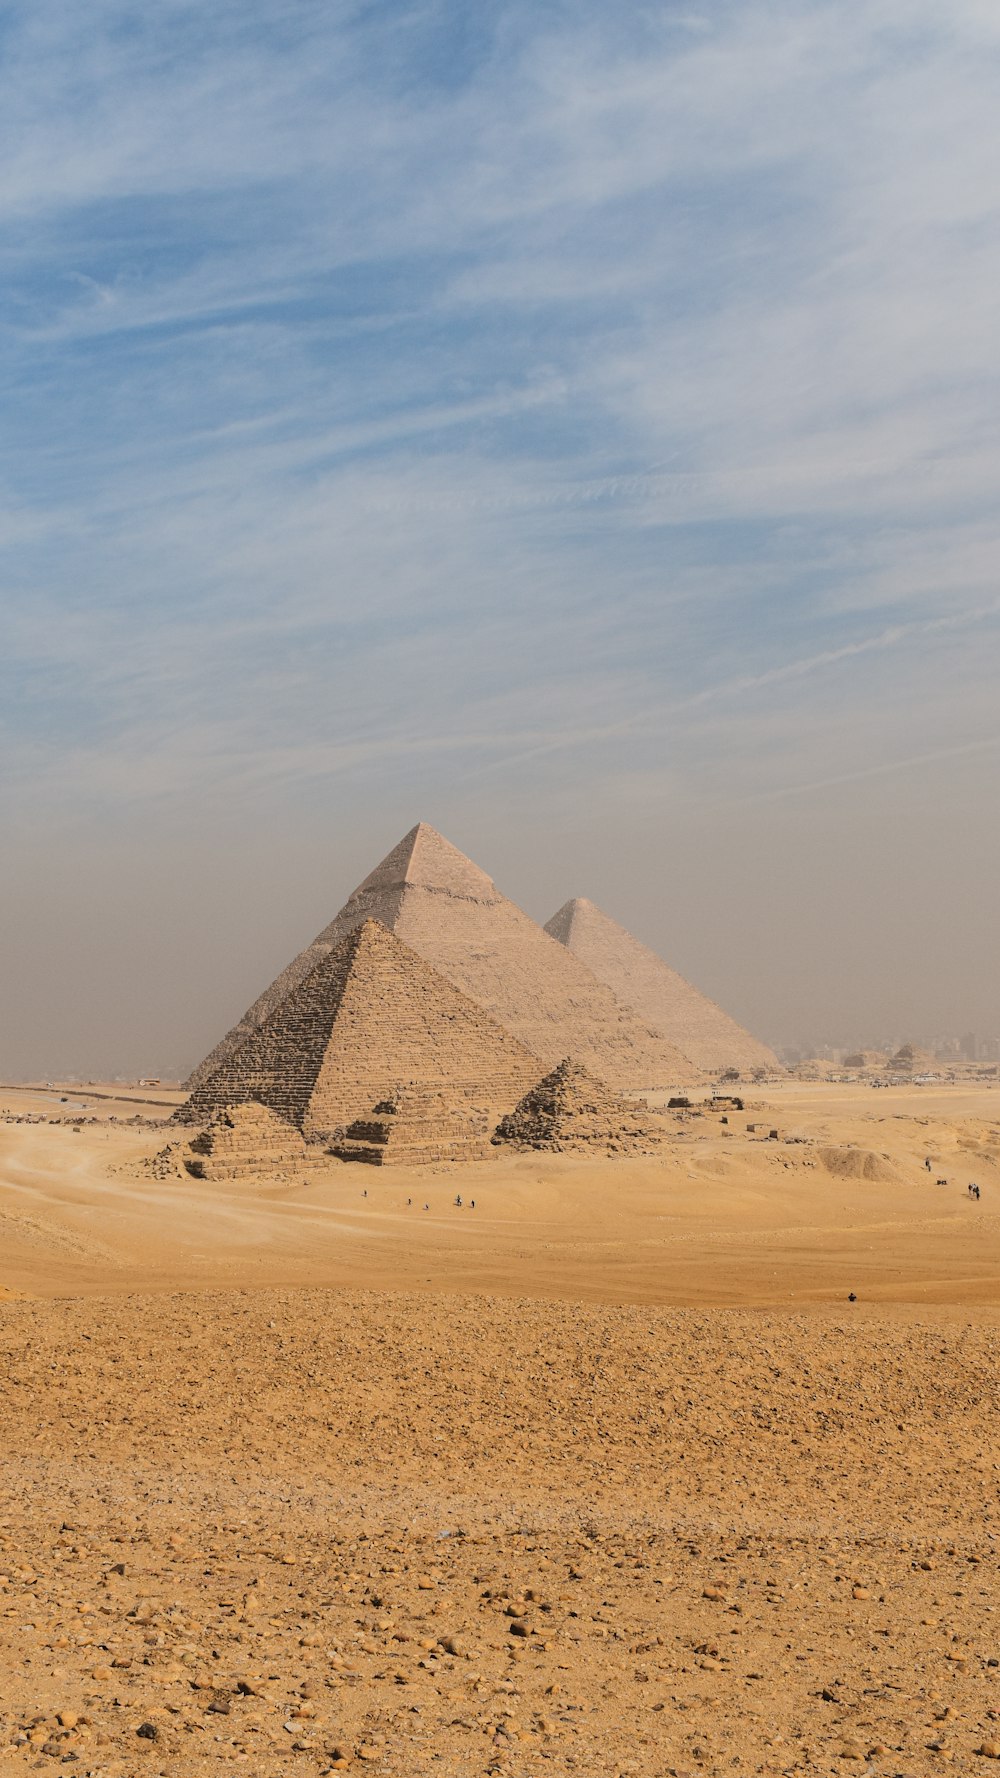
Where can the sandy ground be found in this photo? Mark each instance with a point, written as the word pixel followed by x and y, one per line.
pixel 842 1201
pixel 604 1476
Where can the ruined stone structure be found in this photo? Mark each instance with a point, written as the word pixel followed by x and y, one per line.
pixel 911 1060
pixel 242 1140
pixel 872 1060
pixel 414 1127
pixel 237 1142
pixel 450 912
pixel 370 1020
pixel 639 979
pixel 569 1110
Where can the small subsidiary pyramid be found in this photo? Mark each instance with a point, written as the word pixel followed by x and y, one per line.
pixel 569 1110
pixel 241 1140
pixel 370 1020
pixel 640 979
pixel 452 914
pixel 909 1059
pixel 866 1060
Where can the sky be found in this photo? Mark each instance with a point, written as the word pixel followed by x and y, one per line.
pixel 575 426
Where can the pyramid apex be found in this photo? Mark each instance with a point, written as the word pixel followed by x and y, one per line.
pixel 424 859
pixel 572 913
pixel 370 930
pixel 644 983
pixel 561 924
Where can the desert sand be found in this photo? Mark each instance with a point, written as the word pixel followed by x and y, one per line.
pixel 605 1475
pixel 842 1201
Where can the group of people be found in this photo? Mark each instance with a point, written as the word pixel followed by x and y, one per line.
pixel 971 1188
pixel 472 1202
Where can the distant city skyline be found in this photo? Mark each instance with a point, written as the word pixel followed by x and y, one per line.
pixel 969 1047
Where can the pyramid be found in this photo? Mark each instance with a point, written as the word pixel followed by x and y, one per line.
pixel 865 1059
pixel 570 1110
pixel 640 979
pixel 418 1125
pixel 237 1141
pixel 909 1059
pixel 370 1020
pixel 244 1139
pixel 450 912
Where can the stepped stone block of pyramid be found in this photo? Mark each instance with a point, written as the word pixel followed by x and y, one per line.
pixel 417 1126
pixel 370 1020
pixel 451 913
pixel 242 1140
pixel 866 1059
pixel 569 1110
pixel 911 1060
pixel 640 979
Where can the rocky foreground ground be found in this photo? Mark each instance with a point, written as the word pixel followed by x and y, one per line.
pixel 312 1531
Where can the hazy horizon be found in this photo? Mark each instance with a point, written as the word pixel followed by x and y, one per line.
pixel 246 946
pixel 573 429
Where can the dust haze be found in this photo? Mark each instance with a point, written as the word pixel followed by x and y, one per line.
pixel 847 916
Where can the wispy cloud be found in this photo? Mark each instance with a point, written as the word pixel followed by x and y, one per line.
pixel 884 768
pixel 430 399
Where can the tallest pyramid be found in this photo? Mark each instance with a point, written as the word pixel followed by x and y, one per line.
pixel 452 914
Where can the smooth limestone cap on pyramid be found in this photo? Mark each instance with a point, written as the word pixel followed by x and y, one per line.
pixel 370 1018
pixel 640 979
pixel 451 913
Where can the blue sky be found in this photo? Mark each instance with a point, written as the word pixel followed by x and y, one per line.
pixel 553 422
